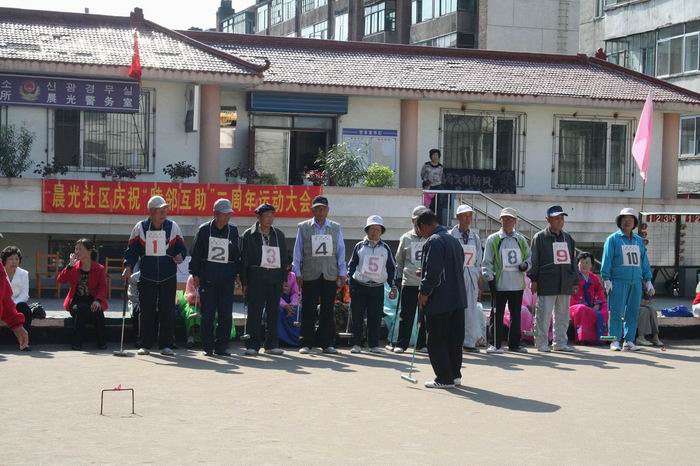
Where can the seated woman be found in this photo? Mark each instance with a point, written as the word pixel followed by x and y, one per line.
pixel 289 311
pixel 589 307
pixel 87 296
pixel 341 309
pixel 19 280
pixel 647 323
pixel 188 302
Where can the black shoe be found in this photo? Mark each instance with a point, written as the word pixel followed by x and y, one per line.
pixel 76 347
pixel 223 353
pixel 209 353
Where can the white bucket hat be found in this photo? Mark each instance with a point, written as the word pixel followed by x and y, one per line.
pixel 419 210
pixel 627 211
pixel 509 212
pixel 375 220
pixel 463 209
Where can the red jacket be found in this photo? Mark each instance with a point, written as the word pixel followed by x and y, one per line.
pixel 697 299
pixel 97 283
pixel 8 311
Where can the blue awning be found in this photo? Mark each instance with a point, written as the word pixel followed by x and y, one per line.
pixel 297 103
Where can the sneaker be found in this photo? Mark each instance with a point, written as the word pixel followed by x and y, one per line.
pixel 458 382
pixel 251 352
pixel 471 349
pixel 519 349
pixel 389 347
pixel 304 350
pixel 399 350
pixel 143 352
pixel 167 352
pixel 563 348
pixel 656 342
pixel 423 350
pixel 376 349
pixel 356 349
pixel 615 346
pixel 544 349
pixel 641 341
pixel 274 351
pixel 434 384
pixel 330 350
pixel 493 350
pixel 190 343
pixel 629 346
pixel 209 353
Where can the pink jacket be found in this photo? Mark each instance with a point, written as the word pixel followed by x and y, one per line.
pixel 293 291
pixel 191 293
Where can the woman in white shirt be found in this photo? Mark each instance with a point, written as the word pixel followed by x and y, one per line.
pixel 19 279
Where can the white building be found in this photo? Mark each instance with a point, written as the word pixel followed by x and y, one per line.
pixel 547 128
pixel 658 38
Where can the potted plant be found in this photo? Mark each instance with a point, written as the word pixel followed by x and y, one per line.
pixel 313 177
pixel 50 170
pixel 266 178
pixel 180 171
pixel 240 174
pixel 379 176
pixel 119 172
pixel 343 165
pixel 15 150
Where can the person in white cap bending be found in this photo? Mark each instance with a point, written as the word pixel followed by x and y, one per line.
pixel 371 265
pixel 554 279
pixel 214 267
pixel 408 259
pixel 319 264
pixel 156 244
pixel 625 264
pixel 471 245
pixel 506 259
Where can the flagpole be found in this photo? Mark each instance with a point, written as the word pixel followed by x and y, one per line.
pixel 644 185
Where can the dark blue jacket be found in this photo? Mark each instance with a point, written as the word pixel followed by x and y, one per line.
pixel 155 268
pixel 214 272
pixel 442 277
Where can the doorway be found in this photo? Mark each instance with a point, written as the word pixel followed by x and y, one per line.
pixel 304 152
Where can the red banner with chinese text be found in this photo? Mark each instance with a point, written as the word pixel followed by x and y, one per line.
pixel 186 199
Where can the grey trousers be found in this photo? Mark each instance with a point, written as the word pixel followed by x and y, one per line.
pixel 648 323
pixel 546 306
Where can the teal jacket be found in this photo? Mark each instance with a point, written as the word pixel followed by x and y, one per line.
pixel 617 253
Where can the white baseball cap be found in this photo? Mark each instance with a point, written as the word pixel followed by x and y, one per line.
pixel 421 209
pixel 375 220
pixel 157 202
pixel 463 209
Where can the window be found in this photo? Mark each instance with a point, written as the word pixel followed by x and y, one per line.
pixel 677 49
pixel 593 153
pixel 424 10
pixel 243 23
pixel 599 8
pixel 276 12
pixel 415 11
pixel 378 19
pixel 290 9
pixel 635 52
pixel 227 25
pixel 482 141
pixel 310 5
pixel 341 27
pixel 316 31
pixel 262 18
pixel 93 141
pixel 228 116
pixel 690 136
pixel 447 7
pixel 449 40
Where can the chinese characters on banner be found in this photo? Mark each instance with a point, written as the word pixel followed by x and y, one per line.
pixel 186 199
pixel 82 94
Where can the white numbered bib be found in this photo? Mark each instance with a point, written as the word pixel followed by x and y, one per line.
pixel 469 255
pixel 372 267
pixel 218 250
pixel 155 243
pixel 270 257
pixel 511 258
pixel 321 245
pixel 417 252
pixel 561 253
pixel 631 256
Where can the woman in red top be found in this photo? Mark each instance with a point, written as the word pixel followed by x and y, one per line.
pixel 86 300
pixel 589 308
pixel 8 311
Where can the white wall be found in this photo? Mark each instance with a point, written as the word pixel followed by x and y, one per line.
pixel 172 143
pixel 539 145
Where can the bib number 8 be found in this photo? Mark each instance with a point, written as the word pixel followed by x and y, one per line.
pixel 512 257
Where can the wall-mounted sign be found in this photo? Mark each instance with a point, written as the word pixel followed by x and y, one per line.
pixel 486 181
pixel 379 145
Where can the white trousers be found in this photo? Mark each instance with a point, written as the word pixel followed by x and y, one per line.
pixel 546 306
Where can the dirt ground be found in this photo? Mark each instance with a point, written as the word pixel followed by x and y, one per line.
pixel 592 407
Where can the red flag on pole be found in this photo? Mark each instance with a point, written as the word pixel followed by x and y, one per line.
pixel 135 68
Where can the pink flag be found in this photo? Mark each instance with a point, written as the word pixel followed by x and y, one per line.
pixel 641 148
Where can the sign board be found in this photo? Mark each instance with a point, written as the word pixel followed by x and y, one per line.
pixel 672 239
pixel 379 145
pixel 486 181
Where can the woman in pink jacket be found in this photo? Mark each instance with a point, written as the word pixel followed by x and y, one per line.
pixel 289 311
pixel 589 307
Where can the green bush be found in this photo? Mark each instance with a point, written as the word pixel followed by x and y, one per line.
pixel 379 176
pixel 266 178
pixel 15 150
pixel 344 166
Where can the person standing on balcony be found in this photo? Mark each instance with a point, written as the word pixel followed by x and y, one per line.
pixel 264 262
pixel 432 175
pixel 214 268
pixel 408 259
pixel 320 268
pixel 554 279
pixel 625 264
pixel 156 245
pixel 506 259
pixel 471 245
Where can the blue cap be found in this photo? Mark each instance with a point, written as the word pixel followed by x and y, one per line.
pixel 556 211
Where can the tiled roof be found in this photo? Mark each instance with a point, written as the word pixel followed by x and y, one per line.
pixel 107 40
pixel 399 67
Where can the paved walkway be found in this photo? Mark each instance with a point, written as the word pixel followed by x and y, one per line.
pixel 592 407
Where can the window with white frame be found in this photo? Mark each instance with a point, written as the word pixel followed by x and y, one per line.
pixel 290 9
pixel 677 49
pixel 482 141
pixel 341 27
pixel 310 5
pixel 277 8
pixel 262 18
pixel 424 10
pixel 690 136
pixel 599 8
pixel 316 31
pixel 635 52
pixel 446 41
pixel 379 19
pixel 593 153
pixel 93 141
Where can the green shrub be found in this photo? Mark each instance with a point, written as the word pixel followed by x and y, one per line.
pixel 343 165
pixel 15 150
pixel 379 176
